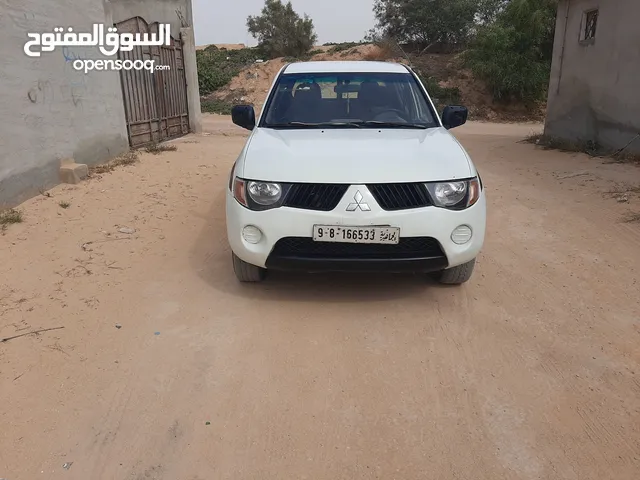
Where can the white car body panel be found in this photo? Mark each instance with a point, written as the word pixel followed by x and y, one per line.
pixel 354 156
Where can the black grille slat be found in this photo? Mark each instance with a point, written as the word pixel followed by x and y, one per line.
pixel 387 197
pixel 315 196
pixel 400 196
pixel 409 247
pixel 335 196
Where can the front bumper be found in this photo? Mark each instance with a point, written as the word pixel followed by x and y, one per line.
pixel 306 264
pixel 429 223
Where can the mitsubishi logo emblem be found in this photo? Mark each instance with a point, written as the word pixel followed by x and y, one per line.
pixel 359 204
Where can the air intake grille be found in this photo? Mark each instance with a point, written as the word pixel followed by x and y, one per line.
pixel 315 196
pixel 409 247
pixel 400 196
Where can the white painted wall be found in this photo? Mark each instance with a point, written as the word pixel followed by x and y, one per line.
pixel 49 110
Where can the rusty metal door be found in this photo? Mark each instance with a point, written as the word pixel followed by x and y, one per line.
pixel 155 102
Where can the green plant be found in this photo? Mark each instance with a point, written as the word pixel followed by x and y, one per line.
pixel 216 67
pixel 441 96
pixel 7 217
pixel 220 107
pixel 341 47
pixel 280 31
pixel 299 58
pixel 513 54
pixel 430 21
pixel 64 204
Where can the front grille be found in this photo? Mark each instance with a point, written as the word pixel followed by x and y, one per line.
pixel 315 196
pixel 409 247
pixel 400 196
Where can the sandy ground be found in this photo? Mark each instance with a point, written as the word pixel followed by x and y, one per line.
pixel 530 371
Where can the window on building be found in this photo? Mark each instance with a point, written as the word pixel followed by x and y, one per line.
pixel 590 24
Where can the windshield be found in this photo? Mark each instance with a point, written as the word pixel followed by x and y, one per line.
pixel 348 100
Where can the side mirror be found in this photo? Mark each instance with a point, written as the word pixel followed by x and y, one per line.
pixel 454 115
pixel 244 116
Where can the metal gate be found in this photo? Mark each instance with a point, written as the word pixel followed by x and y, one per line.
pixel 155 102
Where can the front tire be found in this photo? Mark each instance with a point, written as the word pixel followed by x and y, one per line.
pixel 247 273
pixel 457 275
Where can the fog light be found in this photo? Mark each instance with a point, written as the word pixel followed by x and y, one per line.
pixel 252 234
pixel 461 235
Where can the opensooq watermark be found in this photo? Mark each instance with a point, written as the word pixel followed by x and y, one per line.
pixel 108 43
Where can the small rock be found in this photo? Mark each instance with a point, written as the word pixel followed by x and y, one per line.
pixel 127 230
pixel 118 325
pixel 623 199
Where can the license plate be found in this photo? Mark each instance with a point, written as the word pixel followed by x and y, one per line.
pixel 343 234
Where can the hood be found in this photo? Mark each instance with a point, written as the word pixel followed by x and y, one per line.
pixel 354 156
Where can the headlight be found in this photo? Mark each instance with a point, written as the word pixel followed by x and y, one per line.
pixel 456 195
pixel 264 193
pixel 257 195
pixel 449 194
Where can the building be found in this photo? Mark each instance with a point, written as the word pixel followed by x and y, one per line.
pixel 594 92
pixel 52 112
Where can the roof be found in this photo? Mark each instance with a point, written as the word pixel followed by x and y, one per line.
pixel 346 66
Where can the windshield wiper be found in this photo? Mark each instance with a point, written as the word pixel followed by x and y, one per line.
pixel 314 125
pixel 394 124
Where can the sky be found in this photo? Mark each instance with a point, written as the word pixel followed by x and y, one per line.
pixel 225 21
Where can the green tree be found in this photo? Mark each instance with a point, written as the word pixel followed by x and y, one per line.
pixel 488 10
pixel 280 31
pixel 513 54
pixel 432 21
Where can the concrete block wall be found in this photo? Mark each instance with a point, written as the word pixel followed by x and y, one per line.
pixel 51 111
pixel 163 11
pixel 594 91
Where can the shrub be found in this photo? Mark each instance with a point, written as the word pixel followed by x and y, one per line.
pixel 280 31
pixel 513 55
pixel 441 96
pixel 341 47
pixel 216 67
pixel 220 107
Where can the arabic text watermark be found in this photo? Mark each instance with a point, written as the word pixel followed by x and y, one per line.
pixel 109 44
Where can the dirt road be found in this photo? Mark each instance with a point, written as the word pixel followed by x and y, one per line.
pixel 530 371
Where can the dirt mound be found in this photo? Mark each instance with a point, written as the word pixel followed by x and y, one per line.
pixel 253 83
pixel 473 93
pixel 226 46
